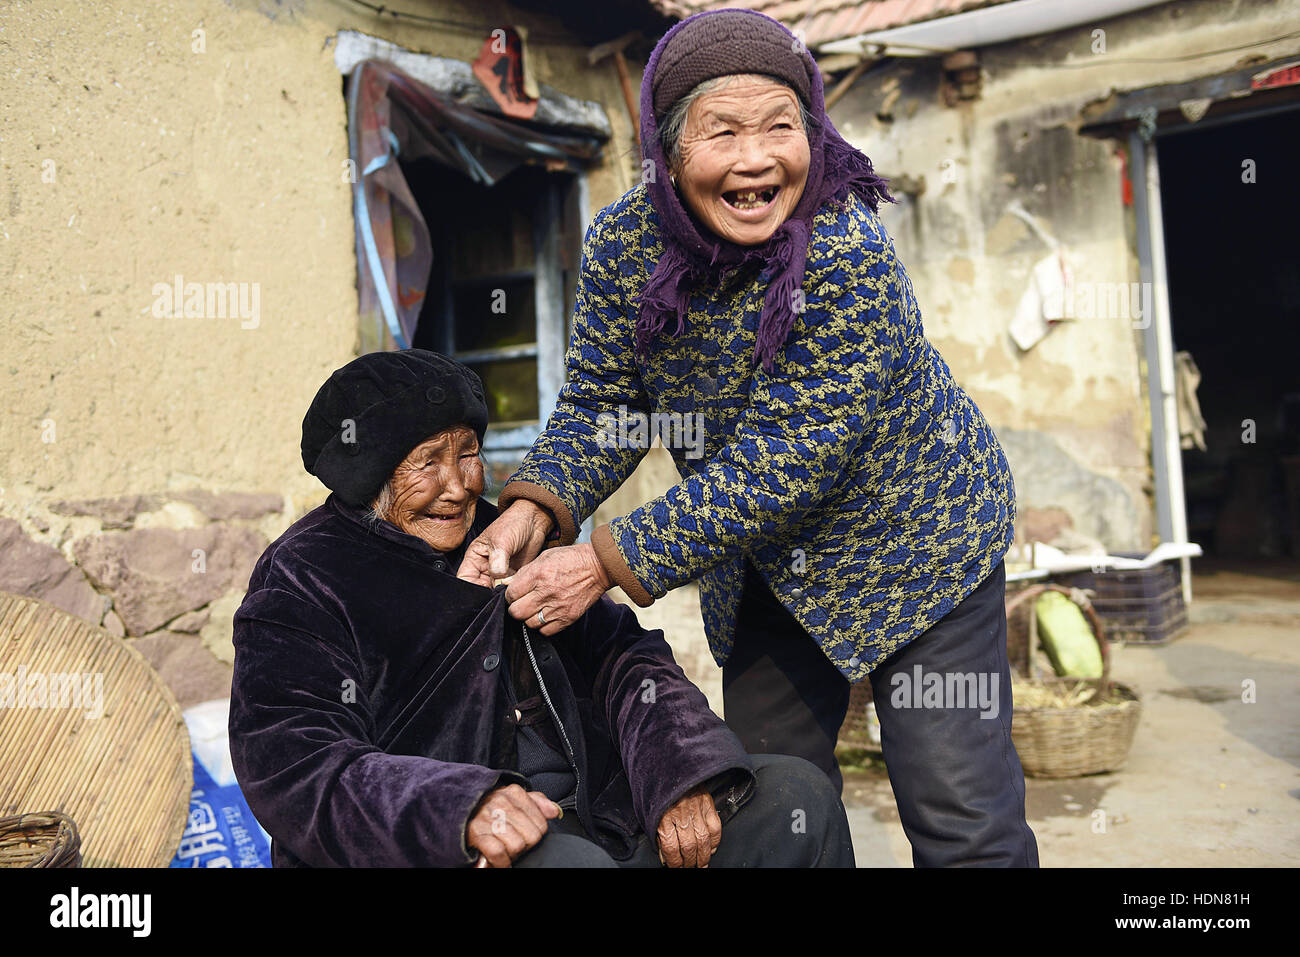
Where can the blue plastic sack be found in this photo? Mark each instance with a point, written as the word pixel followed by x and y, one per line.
pixel 221 830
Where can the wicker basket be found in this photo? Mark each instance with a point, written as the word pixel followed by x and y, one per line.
pixel 43 839
pixel 1067 742
pixel 855 732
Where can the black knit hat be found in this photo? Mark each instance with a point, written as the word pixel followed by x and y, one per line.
pixel 369 414
pixel 726 42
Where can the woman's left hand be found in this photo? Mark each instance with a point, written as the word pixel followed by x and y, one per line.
pixel 560 583
pixel 690 831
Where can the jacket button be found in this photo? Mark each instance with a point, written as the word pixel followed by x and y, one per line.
pixel 854 662
pixel 491 661
pixel 440 566
pixel 796 592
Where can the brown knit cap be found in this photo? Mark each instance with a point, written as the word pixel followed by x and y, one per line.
pixel 724 43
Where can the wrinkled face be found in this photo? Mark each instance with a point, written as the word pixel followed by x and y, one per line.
pixel 436 488
pixel 744 159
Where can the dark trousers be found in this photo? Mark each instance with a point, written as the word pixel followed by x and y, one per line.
pixel 956 776
pixel 780 693
pixel 794 818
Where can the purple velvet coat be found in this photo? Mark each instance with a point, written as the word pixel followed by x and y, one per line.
pixel 369 716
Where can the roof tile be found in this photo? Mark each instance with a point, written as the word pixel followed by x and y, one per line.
pixel 825 20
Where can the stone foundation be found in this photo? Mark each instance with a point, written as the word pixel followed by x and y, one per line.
pixel 164 571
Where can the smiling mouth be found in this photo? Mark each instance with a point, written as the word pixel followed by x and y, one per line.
pixel 750 198
pixel 447 518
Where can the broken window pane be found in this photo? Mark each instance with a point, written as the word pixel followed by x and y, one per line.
pixel 511 390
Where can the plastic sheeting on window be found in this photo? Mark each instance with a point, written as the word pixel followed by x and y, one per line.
pixel 390 114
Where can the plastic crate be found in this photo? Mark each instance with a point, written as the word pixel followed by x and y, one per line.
pixel 1137 605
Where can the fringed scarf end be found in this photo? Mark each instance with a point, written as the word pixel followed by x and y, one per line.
pixel 666 294
pixel 853 169
pixel 784 297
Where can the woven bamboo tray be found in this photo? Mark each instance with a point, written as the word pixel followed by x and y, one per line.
pixel 1070 741
pixel 124 778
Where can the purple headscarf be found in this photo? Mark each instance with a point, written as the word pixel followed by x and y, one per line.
pixel 693 253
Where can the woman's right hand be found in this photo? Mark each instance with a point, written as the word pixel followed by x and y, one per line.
pixel 507 545
pixel 509 822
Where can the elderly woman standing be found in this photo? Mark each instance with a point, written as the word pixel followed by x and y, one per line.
pixel 850 512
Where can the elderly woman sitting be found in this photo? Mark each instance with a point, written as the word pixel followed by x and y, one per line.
pixel 385 712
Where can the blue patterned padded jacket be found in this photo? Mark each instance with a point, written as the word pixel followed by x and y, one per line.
pixel 861 481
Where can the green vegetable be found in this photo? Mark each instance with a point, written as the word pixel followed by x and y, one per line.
pixel 1067 637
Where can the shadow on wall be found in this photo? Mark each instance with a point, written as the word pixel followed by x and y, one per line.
pixel 1047 477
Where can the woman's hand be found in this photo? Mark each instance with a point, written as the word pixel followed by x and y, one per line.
pixel 508 823
pixel 690 831
pixel 505 546
pixel 556 589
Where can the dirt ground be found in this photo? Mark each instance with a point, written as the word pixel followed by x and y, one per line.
pixel 1211 781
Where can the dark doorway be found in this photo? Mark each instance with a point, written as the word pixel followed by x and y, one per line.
pixel 1233 256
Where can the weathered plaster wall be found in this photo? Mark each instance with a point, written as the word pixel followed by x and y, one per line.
pixel 1072 410
pixel 132 443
